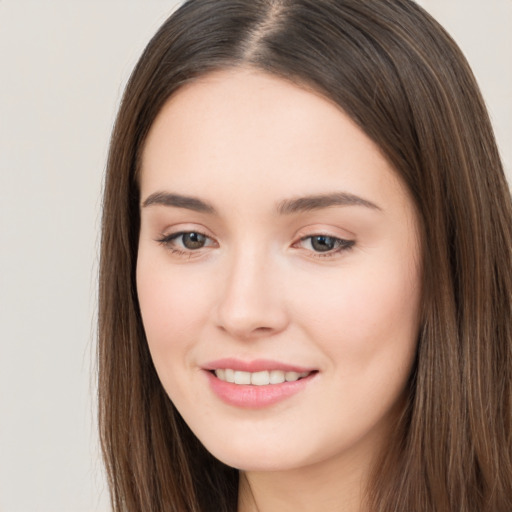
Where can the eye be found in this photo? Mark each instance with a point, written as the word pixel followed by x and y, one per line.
pixel 322 243
pixel 186 241
pixel 192 240
pixel 325 245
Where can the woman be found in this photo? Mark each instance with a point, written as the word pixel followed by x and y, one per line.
pixel 305 288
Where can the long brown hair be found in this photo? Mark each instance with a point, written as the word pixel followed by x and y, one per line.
pixel 397 74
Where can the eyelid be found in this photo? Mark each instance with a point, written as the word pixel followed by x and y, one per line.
pixel 185 227
pixel 321 229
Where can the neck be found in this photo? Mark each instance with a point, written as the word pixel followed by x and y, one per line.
pixel 326 486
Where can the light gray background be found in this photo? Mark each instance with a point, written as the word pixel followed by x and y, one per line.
pixel 63 65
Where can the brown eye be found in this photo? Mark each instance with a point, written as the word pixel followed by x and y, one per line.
pixel 186 241
pixel 323 243
pixel 192 240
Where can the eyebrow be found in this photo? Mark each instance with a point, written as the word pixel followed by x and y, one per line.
pixel 286 207
pixel 317 202
pixel 178 201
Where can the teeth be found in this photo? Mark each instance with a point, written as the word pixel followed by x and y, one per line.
pixel 258 378
pixel 276 377
pixel 291 376
pixel 242 377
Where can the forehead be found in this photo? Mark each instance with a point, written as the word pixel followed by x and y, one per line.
pixel 247 129
pixel 233 104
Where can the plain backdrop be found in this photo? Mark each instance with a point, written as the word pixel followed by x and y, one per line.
pixel 63 66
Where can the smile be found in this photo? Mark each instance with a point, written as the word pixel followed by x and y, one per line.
pixel 261 378
pixel 257 384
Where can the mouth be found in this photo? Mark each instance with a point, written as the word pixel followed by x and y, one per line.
pixel 257 384
pixel 260 378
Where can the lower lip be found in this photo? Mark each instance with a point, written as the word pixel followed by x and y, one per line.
pixel 256 397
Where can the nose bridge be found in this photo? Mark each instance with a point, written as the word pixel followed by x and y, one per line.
pixel 251 302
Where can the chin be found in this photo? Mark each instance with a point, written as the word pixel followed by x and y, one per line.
pixel 256 462
pixel 255 455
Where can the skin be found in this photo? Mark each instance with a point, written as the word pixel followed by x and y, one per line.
pixel 245 142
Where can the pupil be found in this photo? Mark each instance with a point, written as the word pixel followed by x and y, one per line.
pixel 323 243
pixel 193 240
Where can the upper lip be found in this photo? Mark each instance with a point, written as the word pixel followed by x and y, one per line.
pixel 256 365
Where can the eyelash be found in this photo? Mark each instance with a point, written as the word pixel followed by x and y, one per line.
pixel 341 245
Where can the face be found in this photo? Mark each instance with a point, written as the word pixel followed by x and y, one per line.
pixel 278 273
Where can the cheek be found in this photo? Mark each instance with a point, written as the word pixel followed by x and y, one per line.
pixel 173 310
pixel 365 316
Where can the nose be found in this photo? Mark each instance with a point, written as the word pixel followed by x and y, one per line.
pixel 252 300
